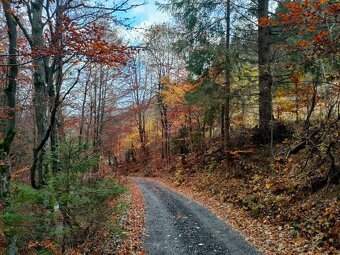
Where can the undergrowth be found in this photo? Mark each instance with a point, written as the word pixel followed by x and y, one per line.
pixel 268 190
pixel 74 213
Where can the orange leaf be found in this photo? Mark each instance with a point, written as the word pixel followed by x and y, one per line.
pixel 303 44
pixel 264 21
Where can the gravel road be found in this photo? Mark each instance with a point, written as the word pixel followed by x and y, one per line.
pixel 178 226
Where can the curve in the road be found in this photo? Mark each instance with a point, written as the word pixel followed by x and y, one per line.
pixel 176 225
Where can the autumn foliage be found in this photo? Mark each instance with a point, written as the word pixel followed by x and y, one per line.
pixel 232 99
pixel 311 21
pixel 90 43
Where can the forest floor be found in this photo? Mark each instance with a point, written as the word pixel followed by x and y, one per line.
pixel 133 222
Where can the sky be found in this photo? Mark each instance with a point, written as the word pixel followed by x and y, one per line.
pixel 143 17
pixel 149 14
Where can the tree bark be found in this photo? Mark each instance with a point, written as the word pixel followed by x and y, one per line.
pixel 82 118
pixel 10 102
pixel 54 131
pixel 226 137
pixel 57 41
pixel 315 91
pixel 265 76
pixel 165 129
pixel 40 91
pixel 10 120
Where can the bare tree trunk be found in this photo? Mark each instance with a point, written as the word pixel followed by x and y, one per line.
pixel 165 132
pixel 296 102
pixel 99 107
pixel 10 103
pixel 265 77
pixel 94 111
pixel 98 110
pixel 315 91
pixel 40 93
pixel 82 118
pixel 142 135
pixel 52 88
pixel 204 124
pixel 226 116
pixel 223 123
pixel 103 105
pixel 164 121
pixel 54 131
pixel 89 127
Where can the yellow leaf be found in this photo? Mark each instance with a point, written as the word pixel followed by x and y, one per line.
pixel 269 185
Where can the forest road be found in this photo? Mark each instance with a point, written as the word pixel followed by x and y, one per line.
pixel 176 225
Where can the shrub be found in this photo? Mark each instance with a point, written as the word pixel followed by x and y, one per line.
pixel 70 212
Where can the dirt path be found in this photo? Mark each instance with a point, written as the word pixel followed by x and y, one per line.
pixel 175 225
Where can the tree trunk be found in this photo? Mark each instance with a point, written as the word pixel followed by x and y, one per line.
pixel 265 77
pixel 314 98
pixel 96 108
pixel 82 118
pixel 223 123
pixel 10 121
pixel 103 106
pixel 142 135
pixel 89 126
pixel 40 95
pixel 165 127
pixel 296 102
pixel 10 103
pixel 165 124
pixel 54 131
pixel 57 40
pixel 226 137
